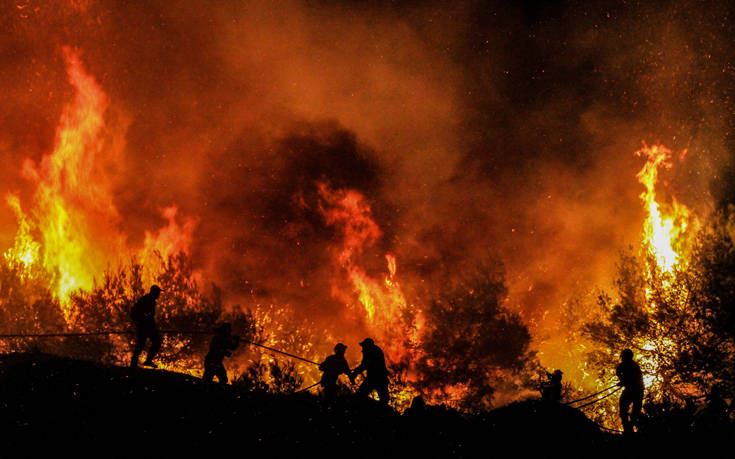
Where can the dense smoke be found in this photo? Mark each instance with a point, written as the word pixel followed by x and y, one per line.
pixel 478 131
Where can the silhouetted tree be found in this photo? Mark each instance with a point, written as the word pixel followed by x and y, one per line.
pixel 472 340
pixel 273 376
pixel 28 306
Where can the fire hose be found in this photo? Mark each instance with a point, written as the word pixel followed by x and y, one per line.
pixel 166 332
pixel 598 399
pixel 592 395
pixel 584 405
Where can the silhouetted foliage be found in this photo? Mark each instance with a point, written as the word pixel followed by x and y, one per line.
pixel 681 324
pixel 273 377
pixel 29 307
pixel 472 341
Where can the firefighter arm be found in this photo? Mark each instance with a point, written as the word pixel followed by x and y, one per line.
pixel 346 370
pixel 359 369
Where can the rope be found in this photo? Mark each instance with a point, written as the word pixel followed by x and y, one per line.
pixel 599 399
pixel 167 332
pixel 592 395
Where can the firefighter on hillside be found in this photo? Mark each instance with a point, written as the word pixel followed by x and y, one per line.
pixel 221 346
pixel 551 389
pixel 631 378
pixel 331 368
pixel 143 314
pixel 373 361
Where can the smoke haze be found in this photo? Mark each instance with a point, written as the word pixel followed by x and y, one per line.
pixel 477 132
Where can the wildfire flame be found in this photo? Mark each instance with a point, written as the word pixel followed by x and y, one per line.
pixel 71 230
pixel 666 236
pixel 384 302
pixel 24 254
pixel 664 233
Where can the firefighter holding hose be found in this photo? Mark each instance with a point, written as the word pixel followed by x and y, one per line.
pixel 331 368
pixel 373 361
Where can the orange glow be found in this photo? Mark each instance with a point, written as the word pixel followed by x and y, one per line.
pixel 338 189
pixel 69 194
pixel 24 254
pixel 389 318
pixel 71 228
pixel 665 230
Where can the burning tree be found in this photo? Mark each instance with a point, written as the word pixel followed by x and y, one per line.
pixel 708 357
pixel 673 302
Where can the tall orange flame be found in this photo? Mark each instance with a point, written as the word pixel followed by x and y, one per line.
pixel 666 236
pixel 71 231
pixel 665 233
pixel 72 194
pixel 383 301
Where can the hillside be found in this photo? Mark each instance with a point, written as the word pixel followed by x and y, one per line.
pixel 58 405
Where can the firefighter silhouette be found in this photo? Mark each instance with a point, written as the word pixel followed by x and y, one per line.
pixel 631 378
pixel 220 347
pixel 331 368
pixel 143 314
pixel 551 389
pixel 373 361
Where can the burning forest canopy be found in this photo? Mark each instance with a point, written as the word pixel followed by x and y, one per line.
pixel 486 188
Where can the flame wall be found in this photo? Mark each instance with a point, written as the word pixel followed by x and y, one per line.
pixel 477 131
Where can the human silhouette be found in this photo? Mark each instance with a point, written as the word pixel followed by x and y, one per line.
pixel 331 368
pixel 631 378
pixel 373 361
pixel 143 314
pixel 551 389
pixel 220 347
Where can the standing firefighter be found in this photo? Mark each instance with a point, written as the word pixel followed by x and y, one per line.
pixel 221 346
pixel 373 361
pixel 551 389
pixel 331 368
pixel 143 314
pixel 631 378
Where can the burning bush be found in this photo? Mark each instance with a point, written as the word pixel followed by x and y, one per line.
pixel 185 313
pixel 274 376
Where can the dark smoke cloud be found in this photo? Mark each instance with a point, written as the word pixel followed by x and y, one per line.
pixel 478 130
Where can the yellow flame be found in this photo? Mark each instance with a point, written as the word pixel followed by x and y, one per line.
pixel 71 231
pixel 664 234
pixel 25 251
pixel 667 235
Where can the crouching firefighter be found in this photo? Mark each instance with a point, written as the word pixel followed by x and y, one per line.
pixel 331 368
pixel 221 346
